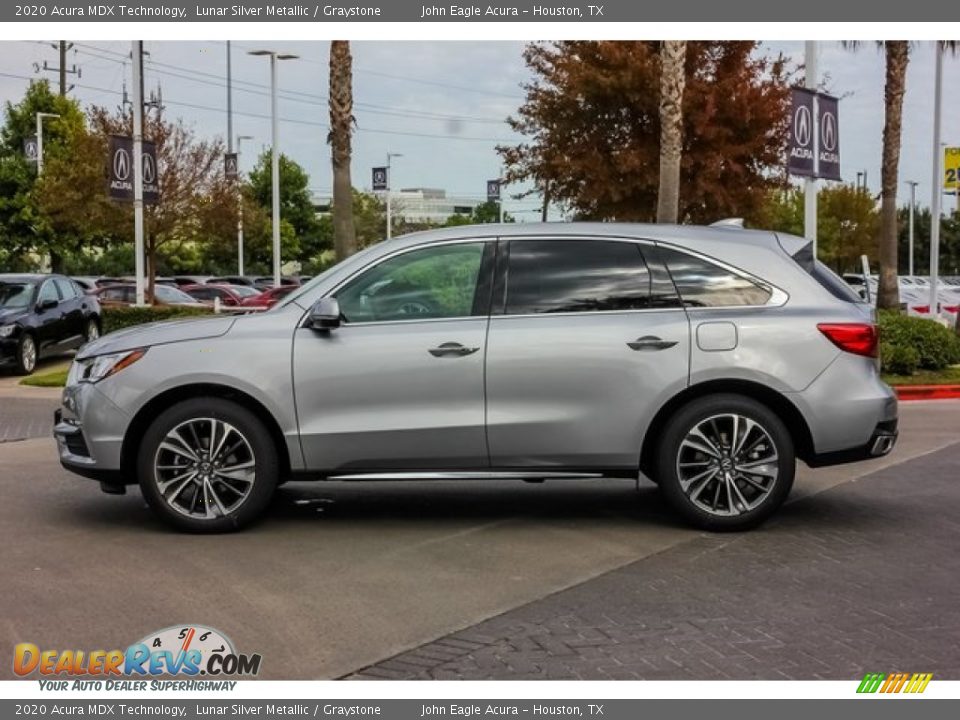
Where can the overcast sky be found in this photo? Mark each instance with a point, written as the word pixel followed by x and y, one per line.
pixel 442 104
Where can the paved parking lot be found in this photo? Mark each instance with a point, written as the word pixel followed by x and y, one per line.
pixel 555 580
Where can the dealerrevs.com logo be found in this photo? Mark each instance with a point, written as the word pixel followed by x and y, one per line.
pixel 180 651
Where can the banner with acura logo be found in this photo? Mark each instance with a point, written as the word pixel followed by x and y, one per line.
pixel 814 145
pixel 828 149
pixel 121 170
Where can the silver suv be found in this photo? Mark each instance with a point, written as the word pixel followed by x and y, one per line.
pixel 707 359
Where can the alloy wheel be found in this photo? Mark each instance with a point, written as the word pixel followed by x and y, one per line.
pixel 204 468
pixel 727 464
pixel 28 354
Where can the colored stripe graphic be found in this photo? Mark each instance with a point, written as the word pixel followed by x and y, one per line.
pixel 913 683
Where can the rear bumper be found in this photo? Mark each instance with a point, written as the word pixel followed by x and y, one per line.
pixel 881 443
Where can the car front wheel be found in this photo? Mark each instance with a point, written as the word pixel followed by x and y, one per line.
pixel 208 465
pixel 726 462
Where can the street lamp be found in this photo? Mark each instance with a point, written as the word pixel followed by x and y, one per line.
pixel 40 118
pixel 913 202
pixel 390 156
pixel 274 153
pixel 240 139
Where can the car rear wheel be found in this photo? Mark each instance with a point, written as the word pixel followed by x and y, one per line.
pixel 726 462
pixel 26 355
pixel 208 465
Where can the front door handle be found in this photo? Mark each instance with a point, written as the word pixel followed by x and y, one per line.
pixel 452 349
pixel 651 342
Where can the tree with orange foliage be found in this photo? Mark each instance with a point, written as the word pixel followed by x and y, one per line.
pixel 592 119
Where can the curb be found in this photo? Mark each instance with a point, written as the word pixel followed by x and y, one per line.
pixel 927 392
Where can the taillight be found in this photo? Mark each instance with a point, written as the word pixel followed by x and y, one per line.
pixel 856 338
pixel 921 309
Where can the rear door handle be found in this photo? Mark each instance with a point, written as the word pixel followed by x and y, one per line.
pixel 452 349
pixel 651 342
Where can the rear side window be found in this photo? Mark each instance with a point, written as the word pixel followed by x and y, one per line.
pixel 702 283
pixel 828 279
pixel 67 289
pixel 563 276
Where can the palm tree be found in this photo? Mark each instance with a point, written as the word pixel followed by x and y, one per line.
pixel 341 126
pixel 673 54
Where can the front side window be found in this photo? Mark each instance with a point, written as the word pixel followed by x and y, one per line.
pixel 563 276
pixel 67 288
pixel 702 283
pixel 434 282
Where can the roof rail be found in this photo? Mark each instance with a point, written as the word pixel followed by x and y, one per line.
pixel 728 223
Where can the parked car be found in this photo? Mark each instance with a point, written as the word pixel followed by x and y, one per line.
pixel 229 295
pixel 181 280
pixel 707 359
pixel 233 280
pixel 265 282
pixel 42 315
pixel 126 294
pixel 269 298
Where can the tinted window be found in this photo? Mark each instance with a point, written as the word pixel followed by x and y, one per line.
pixel 701 283
pixel 551 276
pixel 435 282
pixel 48 291
pixel 67 288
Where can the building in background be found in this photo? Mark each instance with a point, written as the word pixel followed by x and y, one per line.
pixel 430 206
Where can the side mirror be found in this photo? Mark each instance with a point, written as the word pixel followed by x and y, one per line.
pixel 47 305
pixel 325 314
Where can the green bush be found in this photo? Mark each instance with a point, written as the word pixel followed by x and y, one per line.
pixel 898 359
pixel 935 346
pixel 117 318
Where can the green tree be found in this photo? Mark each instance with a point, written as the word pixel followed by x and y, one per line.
pixel 949 242
pixel 23 226
pixel 296 206
pixel 848 223
pixel 484 213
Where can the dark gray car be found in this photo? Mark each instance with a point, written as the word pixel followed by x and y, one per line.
pixel 708 359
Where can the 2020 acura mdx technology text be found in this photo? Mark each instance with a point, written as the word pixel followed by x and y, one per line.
pixel 708 359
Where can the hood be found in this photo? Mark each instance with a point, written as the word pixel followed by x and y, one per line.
pixel 158 333
pixel 9 315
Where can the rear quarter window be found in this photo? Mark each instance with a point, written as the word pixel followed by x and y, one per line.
pixel 828 279
pixel 702 283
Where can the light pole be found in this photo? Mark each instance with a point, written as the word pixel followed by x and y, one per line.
pixel 40 118
pixel 913 203
pixel 390 156
pixel 810 187
pixel 937 175
pixel 240 139
pixel 274 154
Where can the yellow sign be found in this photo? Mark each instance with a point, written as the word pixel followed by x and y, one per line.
pixel 951 169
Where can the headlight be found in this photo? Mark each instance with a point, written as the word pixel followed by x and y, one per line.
pixel 7 330
pixel 97 368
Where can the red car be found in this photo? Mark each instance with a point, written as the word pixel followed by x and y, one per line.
pixel 230 295
pixel 269 298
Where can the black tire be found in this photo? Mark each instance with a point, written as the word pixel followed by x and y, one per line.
pixel 91 330
pixel 26 362
pixel 763 497
pixel 260 450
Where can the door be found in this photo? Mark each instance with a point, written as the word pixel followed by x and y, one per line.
pixel 73 313
pixel 589 340
pixel 399 385
pixel 52 326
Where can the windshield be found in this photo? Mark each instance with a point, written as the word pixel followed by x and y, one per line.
pixel 15 295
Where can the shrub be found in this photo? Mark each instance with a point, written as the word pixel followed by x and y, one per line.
pixel 117 318
pixel 935 346
pixel 898 359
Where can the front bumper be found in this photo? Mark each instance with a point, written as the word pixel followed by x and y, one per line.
pixel 8 351
pixel 89 430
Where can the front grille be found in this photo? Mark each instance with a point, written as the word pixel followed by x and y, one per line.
pixel 76 444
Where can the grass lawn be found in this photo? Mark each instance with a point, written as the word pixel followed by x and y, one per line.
pixel 56 378
pixel 947 376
